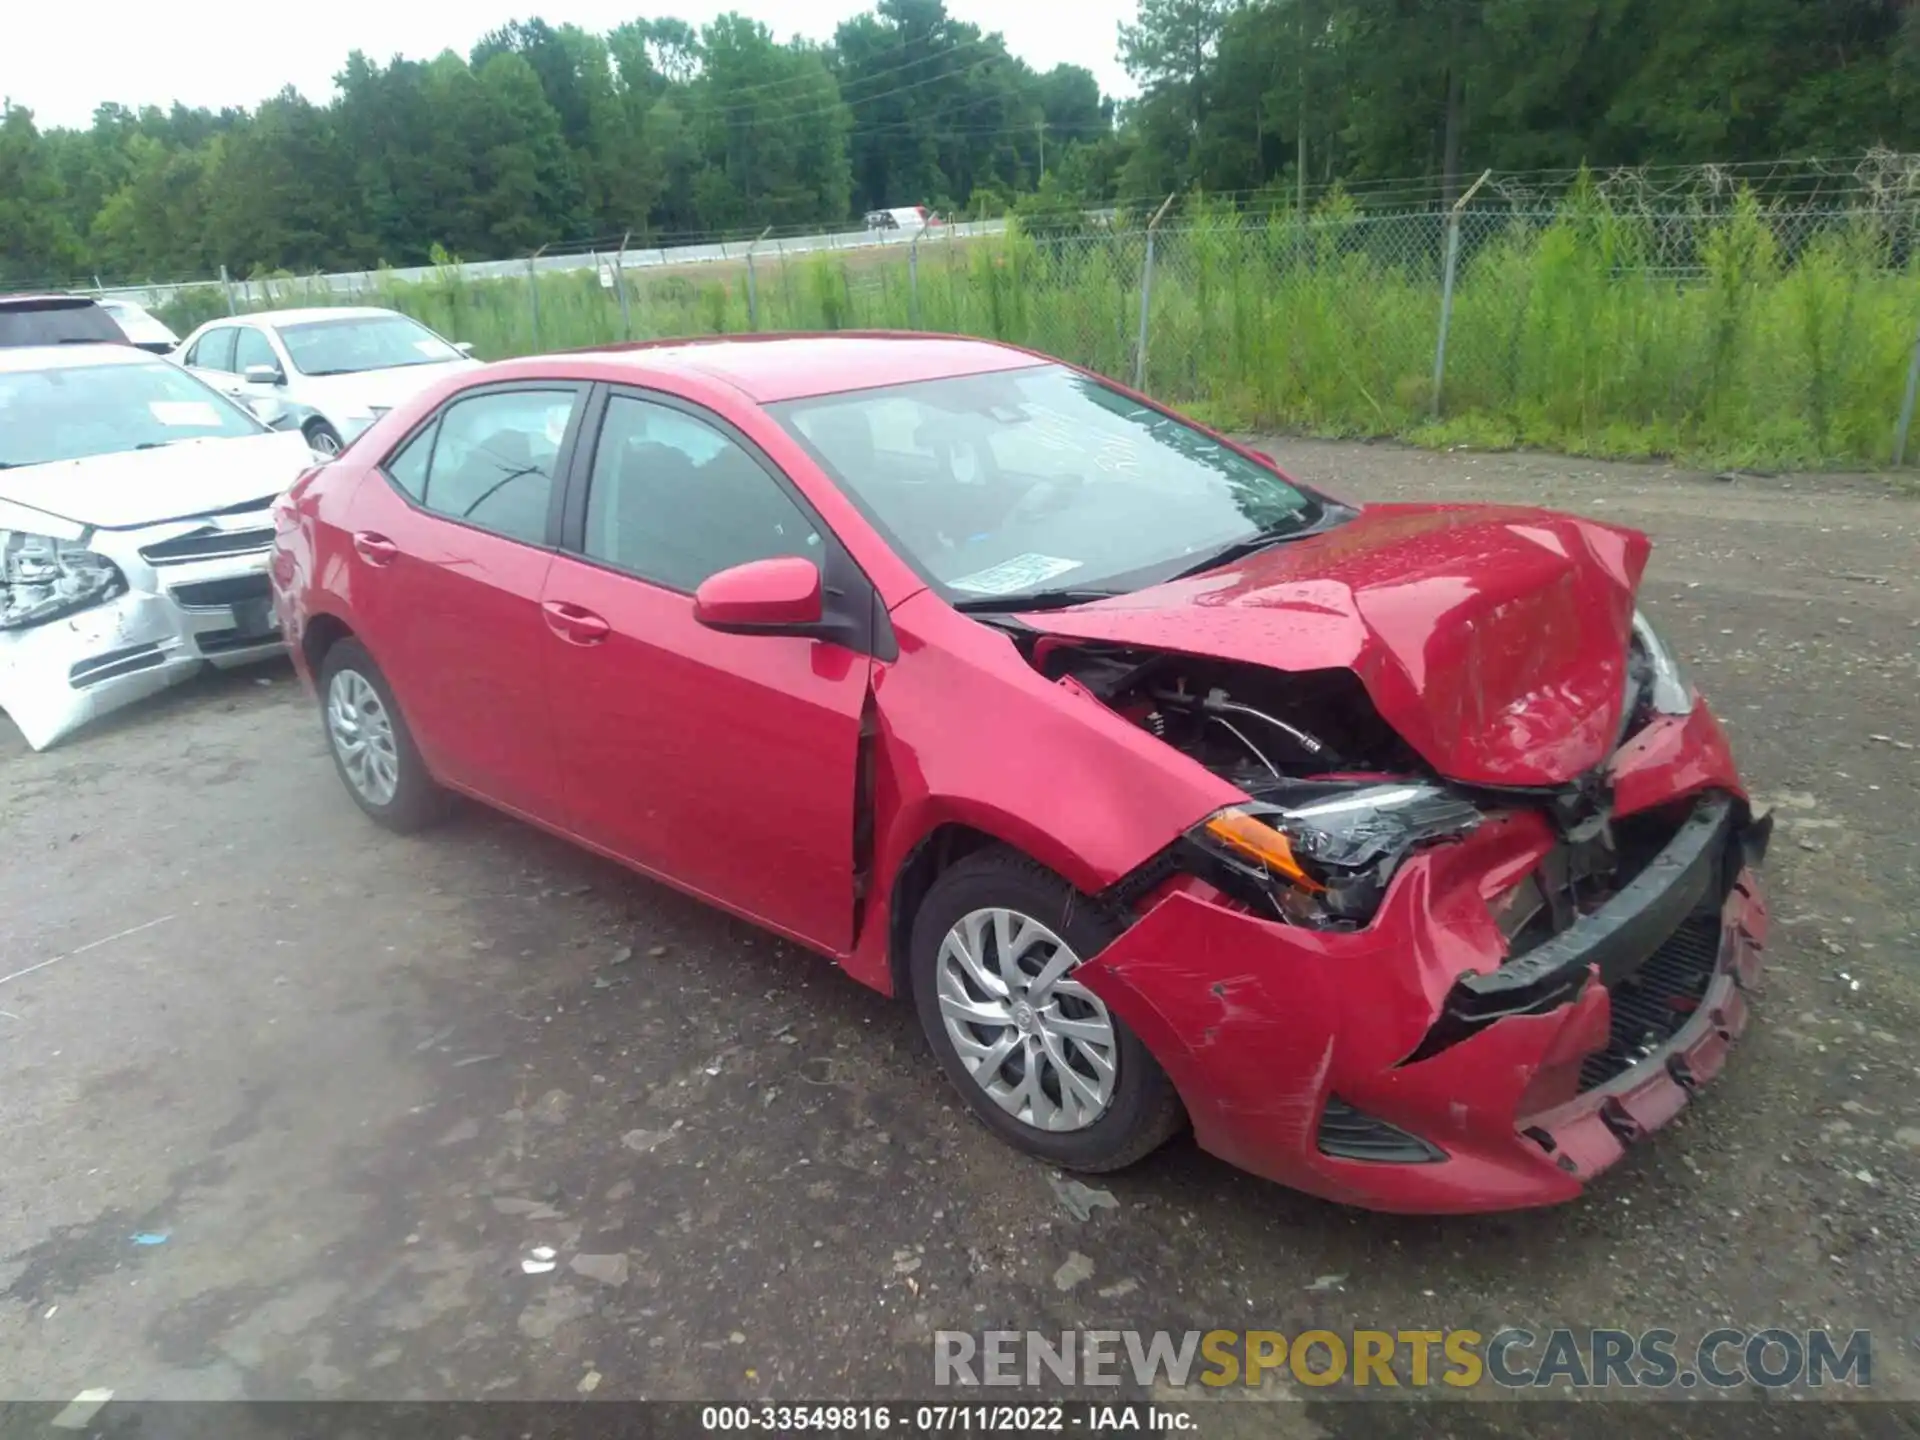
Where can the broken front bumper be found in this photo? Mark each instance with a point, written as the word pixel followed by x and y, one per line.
pixel 1412 1066
pixel 198 594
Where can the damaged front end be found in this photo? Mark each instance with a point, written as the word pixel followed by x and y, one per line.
pixel 94 619
pixel 1393 989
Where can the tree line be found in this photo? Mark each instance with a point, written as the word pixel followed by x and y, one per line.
pixel 1239 96
pixel 552 135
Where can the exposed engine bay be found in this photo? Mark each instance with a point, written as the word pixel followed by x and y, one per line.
pixel 1337 800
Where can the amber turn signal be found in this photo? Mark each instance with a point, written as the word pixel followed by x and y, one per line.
pixel 1243 834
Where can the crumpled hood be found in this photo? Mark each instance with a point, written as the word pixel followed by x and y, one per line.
pixel 358 393
pixel 142 487
pixel 1492 639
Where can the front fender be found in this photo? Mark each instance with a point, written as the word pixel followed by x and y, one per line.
pixel 967 733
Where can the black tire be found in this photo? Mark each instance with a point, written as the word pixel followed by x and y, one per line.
pixel 323 437
pixel 1143 1111
pixel 417 801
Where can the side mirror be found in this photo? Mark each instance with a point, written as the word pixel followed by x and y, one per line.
pixel 263 375
pixel 465 347
pixel 781 596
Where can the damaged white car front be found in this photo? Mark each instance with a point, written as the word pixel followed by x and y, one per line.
pixel 135 530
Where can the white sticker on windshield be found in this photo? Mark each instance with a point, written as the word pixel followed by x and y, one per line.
pixel 1023 572
pixel 185 412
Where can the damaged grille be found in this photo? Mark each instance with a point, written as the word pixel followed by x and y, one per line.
pixel 1653 1004
pixel 214 594
pixel 207 545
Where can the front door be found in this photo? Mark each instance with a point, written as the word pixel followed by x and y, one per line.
pixel 725 763
pixel 451 548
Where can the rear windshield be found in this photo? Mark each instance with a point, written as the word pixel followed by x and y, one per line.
pixel 57 324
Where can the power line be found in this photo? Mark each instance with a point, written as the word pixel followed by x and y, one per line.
pixel 791 80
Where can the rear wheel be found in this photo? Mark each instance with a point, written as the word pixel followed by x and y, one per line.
pixel 372 748
pixel 1035 1054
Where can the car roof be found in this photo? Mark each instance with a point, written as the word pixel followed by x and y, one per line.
pixel 45 302
pixel 771 368
pixel 72 357
pixel 313 312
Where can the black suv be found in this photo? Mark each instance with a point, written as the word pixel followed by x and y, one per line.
pixel 56 320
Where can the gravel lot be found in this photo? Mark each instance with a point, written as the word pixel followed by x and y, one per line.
pixel 352 1079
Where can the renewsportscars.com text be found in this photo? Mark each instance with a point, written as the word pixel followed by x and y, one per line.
pixel 1513 1358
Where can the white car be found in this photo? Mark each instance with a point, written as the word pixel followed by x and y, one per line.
pixel 335 369
pixel 135 531
pixel 140 326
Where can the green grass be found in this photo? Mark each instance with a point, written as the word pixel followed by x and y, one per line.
pixel 1570 332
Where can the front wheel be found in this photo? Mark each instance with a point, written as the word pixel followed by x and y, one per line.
pixel 1036 1055
pixel 372 748
pixel 323 438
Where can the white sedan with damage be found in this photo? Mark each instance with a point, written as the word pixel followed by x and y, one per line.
pixel 135 531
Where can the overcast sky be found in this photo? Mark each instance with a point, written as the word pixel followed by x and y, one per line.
pixel 60 62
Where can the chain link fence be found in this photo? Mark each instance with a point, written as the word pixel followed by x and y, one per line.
pixel 1610 316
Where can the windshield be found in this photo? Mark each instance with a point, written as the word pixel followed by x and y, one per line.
pixel 1010 484
pixel 381 342
pixel 72 411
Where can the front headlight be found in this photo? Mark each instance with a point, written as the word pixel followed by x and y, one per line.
pixel 1326 856
pixel 43 578
pixel 1668 690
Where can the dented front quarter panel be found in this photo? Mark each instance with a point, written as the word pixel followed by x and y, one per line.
pixel 1492 639
pixel 967 733
pixel 1257 1023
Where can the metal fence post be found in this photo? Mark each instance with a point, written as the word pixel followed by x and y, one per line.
pixel 753 283
pixel 1146 299
pixel 533 297
pixel 226 284
pixel 913 277
pixel 620 285
pixel 1905 427
pixel 1446 290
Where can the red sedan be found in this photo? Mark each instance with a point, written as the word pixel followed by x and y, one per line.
pixel 1387 847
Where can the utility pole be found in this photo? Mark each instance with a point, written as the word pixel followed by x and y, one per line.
pixel 1040 130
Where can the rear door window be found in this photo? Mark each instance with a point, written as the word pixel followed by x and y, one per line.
pixel 492 460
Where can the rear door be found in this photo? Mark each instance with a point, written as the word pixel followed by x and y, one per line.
pixel 452 537
pixel 725 763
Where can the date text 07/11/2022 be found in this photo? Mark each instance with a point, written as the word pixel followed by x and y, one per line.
pixel 945 1419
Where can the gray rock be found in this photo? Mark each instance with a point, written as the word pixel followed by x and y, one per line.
pixel 1077 1270
pixel 606 1269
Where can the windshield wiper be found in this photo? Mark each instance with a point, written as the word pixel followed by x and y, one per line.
pixel 1238 550
pixel 495 488
pixel 1033 600
pixel 1330 516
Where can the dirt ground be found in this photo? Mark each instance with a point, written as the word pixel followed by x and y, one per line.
pixel 344 1082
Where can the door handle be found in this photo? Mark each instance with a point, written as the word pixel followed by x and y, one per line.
pixel 571 622
pixel 375 549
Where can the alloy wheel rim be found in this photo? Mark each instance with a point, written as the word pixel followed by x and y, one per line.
pixel 1040 1045
pixel 324 442
pixel 361 729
